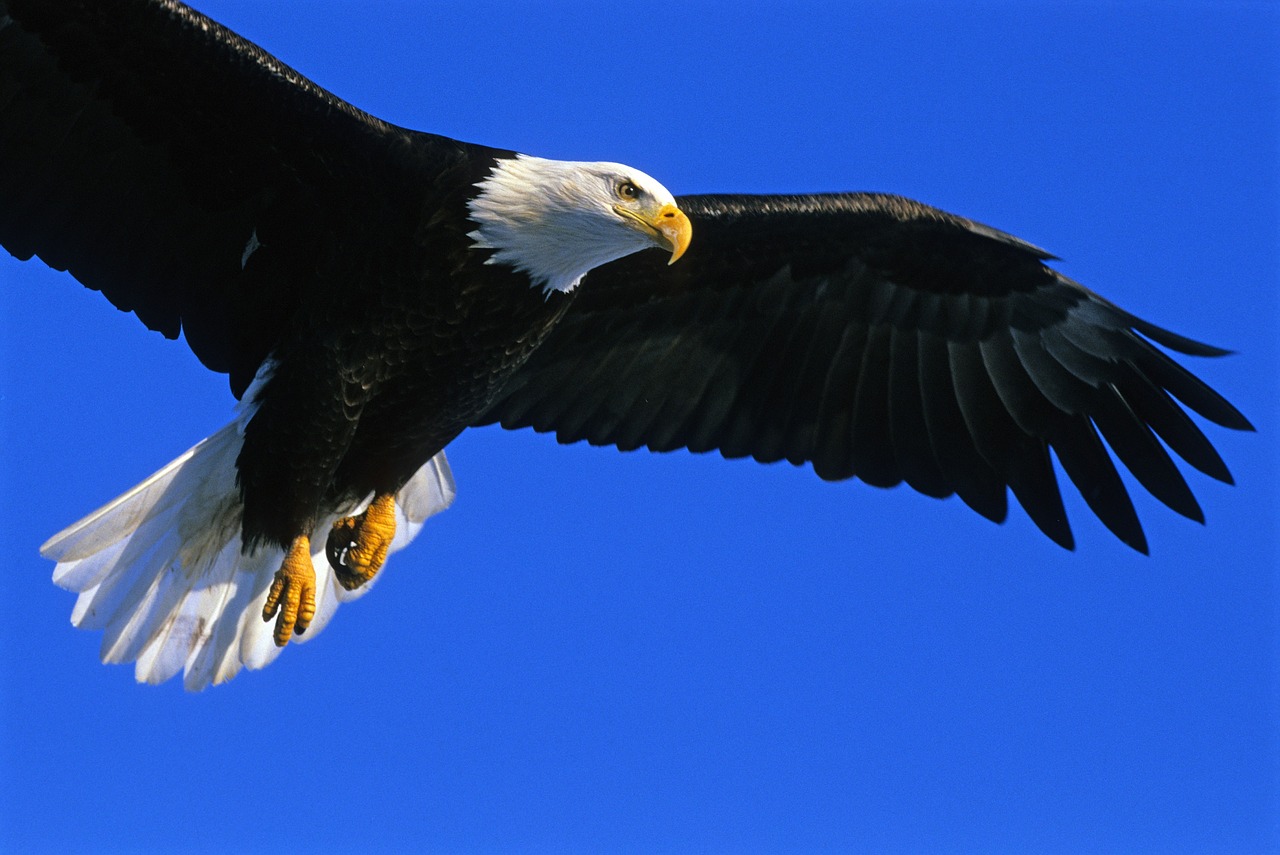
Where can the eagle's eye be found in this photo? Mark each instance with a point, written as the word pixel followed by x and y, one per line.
pixel 627 190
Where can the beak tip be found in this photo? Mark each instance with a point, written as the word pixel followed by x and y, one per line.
pixel 677 230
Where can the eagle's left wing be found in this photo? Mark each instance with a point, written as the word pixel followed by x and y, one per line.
pixel 875 337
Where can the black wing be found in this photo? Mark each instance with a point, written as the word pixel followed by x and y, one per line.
pixel 179 169
pixel 876 338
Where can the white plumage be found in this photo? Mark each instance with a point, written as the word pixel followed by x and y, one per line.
pixel 160 569
pixel 559 219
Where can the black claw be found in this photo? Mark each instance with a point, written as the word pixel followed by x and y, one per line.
pixel 336 547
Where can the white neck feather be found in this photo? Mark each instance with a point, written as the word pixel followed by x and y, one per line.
pixel 552 219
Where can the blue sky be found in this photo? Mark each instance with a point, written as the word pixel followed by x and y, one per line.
pixel 594 651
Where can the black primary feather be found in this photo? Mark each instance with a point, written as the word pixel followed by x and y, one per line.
pixel 885 340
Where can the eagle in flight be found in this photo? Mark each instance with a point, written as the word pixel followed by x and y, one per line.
pixel 372 291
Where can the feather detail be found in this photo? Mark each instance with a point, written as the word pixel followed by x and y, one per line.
pixel 161 569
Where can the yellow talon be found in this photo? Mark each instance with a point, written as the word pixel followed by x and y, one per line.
pixel 293 593
pixel 357 546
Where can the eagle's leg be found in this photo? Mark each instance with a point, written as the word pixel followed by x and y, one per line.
pixel 293 592
pixel 357 546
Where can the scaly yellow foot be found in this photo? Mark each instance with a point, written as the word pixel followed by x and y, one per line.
pixel 293 593
pixel 357 546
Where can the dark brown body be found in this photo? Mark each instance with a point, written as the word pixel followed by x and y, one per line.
pixel 370 384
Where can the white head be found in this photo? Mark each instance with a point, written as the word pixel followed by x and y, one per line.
pixel 556 220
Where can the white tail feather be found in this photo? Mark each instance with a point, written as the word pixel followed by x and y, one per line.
pixel 161 571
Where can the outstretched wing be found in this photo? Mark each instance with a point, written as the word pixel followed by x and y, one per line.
pixel 179 169
pixel 875 337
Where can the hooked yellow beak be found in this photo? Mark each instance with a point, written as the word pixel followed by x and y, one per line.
pixel 674 227
pixel 669 226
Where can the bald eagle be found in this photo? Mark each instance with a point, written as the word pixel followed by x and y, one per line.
pixel 372 291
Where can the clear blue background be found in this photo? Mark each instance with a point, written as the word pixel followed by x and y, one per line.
pixel 629 653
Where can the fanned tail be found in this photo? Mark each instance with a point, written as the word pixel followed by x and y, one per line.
pixel 161 569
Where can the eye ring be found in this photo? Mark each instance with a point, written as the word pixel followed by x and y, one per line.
pixel 628 190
